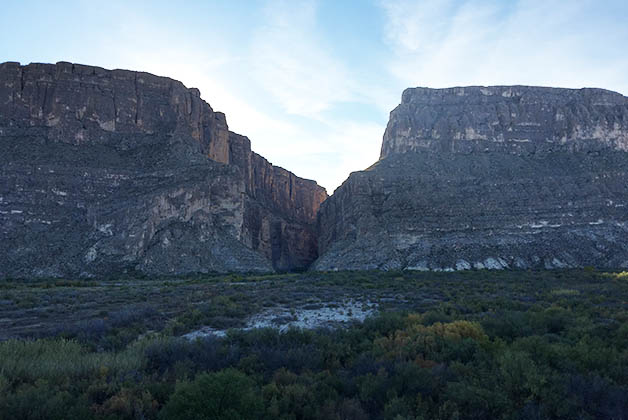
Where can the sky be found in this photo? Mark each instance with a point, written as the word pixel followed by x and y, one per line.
pixel 311 83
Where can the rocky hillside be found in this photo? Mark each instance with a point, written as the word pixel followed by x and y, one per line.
pixel 488 177
pixel 111 171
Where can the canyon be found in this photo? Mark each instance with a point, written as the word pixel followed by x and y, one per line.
pixel 111 172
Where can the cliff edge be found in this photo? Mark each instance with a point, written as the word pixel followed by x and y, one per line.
pixel 488 177
pixel 112 171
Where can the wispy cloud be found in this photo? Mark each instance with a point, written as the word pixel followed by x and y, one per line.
pixel 293 64
pixel 311 93
pixel 442 43
pixel 418 27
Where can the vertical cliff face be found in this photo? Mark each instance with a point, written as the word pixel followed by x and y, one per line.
pixel 488 177
pixel 109 171
pixel 520 120
pixel 289 241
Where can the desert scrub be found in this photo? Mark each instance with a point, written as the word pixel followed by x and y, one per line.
pixel 622 276
pixel 565 292
pixel 60 359
pixel 223 395
pixel 474 344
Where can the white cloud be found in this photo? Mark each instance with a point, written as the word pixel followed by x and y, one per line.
pixel 293 65
pixel 417 26
pixel 439 43
pixel 315 108
pixel 281 90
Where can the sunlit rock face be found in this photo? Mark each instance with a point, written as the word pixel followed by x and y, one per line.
pixel 520 120
pixel 112 171
pixel 488 178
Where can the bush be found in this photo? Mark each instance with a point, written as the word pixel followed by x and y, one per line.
pixel 511 345
pixel 228 394
pixel 622 276
pixel 42 401
pixel 203 354
pixel 60 359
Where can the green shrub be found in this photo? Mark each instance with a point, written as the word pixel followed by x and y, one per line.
pixel 42 401
pixel 228 394
pixel 60 359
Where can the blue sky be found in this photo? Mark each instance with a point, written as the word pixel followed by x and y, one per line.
pixel 311 83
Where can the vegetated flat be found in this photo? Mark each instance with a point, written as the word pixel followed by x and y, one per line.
pixel 476 344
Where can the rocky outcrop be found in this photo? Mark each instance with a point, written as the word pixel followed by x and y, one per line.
pixel 488 177
pixel 521 120
pixel 110 171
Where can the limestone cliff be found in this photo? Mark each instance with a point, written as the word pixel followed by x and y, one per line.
pixel 109 171
pixel 521 120
pixel 488 177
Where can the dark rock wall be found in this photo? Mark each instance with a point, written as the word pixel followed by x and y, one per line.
pixel 289 241
pixel 498 177
pixel 110 171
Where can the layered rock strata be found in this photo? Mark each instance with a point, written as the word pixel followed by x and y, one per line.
pixel 111 171
pixel 488 177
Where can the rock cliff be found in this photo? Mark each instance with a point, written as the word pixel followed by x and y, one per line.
pixel 488 177
pixel 110 171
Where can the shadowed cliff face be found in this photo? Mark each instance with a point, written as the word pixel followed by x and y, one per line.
pixel 496 177
pixel 111 171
